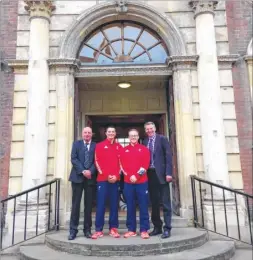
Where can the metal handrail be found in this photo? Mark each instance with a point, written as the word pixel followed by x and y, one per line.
pixel 25 203
pixel 202 223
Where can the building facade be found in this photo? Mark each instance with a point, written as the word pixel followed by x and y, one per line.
pixel 189 64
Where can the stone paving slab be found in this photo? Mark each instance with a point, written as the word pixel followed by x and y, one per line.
pixel 243 254
pixel 181 239
pixel 220 250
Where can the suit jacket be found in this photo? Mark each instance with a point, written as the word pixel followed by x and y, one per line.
pixel 162 157
pixel 78 159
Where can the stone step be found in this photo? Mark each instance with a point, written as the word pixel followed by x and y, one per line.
pixel 176 222
pixel 181 239
pixel 212 250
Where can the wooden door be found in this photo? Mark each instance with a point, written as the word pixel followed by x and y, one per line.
pixel 172 138
pixel 162 122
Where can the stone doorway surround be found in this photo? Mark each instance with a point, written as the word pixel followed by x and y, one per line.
pixel 64 70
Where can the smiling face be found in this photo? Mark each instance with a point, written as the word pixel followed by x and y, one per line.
pixel 150 129
pixel 133 136
pixel 87 134
pixel 110 133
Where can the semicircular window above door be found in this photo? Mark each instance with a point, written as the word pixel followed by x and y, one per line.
pixel 123 42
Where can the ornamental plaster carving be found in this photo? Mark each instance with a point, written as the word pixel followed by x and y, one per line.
pixel 226 61
pixel 121 6
pixel 18 66
pixel 183 62
pixel 106 12
pixel 39 8
pixel 69 66
pixel 100 71
pixel 203 7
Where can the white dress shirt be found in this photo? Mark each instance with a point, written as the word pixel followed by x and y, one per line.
pixel 88 144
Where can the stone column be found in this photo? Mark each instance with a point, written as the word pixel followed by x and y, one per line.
pixel 36 125
pixel 186 153
pixel 36 128
pixel 211 118
pixel 63 73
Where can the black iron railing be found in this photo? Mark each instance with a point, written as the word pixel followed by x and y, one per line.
pixel 23 207
pixel 222 210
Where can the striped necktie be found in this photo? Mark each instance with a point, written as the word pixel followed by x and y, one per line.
pixel 86 157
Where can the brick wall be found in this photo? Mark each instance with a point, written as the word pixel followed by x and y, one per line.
pixel 239 20
pixel 8 35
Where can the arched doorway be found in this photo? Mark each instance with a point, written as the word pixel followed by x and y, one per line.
pixel 72 73
pixel 100 102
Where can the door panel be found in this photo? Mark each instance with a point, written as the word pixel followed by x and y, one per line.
pixel 172 136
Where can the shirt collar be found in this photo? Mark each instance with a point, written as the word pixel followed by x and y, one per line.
pixel 152 137
pixel 87 143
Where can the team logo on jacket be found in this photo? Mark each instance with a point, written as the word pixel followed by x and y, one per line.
pixel 139 150
pixel 106 147
pixel 127 151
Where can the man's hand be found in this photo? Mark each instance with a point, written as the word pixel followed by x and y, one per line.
pixel 112 178
pixel 87 174
pixel 133 179
pixel 169 178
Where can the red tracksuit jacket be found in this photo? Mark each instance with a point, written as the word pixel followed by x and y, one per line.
pixel 107 159
pixel 132 158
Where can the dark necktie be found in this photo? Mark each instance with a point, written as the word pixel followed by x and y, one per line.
pixel 151 149
pixel 86 157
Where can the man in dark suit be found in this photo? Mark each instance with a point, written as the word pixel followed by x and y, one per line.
pixel 159 177
pixel 82 176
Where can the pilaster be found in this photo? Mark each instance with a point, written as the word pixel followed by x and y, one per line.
pixel 186 152
pixel 63 71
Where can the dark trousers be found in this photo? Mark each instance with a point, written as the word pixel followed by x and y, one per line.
pixel 107 190
pixel 159 193
pixel 139 192
pixel 77 191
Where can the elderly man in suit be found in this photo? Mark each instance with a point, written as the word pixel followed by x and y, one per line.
pixel 82 176
pixel 159 175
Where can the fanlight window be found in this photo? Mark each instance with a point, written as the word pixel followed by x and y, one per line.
pixel 123 42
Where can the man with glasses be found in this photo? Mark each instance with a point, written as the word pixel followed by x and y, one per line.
pixel 159 175
pixel 135 159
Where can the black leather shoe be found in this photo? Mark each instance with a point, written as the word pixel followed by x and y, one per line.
pixel 165 234
pixel 71 236
pixel 87 234
pixel 155 232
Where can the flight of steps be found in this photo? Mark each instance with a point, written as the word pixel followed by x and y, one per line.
pixel 186 243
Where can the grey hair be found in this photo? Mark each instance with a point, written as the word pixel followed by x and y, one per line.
pixel 149 123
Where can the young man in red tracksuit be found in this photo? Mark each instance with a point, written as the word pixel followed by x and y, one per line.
pixel 107 164
pixel 135 160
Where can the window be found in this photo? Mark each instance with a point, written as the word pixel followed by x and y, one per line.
pixel 123 42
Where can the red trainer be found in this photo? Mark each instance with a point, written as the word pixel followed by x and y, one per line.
pixel 130 234
pixel 144 235
pixel 97 235
pixel 114 233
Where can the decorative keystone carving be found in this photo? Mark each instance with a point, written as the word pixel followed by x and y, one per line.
pixel 121 6
pixel 39 8
pixel 203 7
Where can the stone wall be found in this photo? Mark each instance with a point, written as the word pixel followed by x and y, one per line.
pixel 66 12
pixel 239 19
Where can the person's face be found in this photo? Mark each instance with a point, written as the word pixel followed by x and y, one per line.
pixel 133 137
pixel 87 134
pixel 110 133
pixel 150 130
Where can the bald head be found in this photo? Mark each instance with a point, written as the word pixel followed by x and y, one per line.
pixel 87 134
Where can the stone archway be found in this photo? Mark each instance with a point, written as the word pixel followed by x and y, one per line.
pixel 108 12
pixel 64 69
